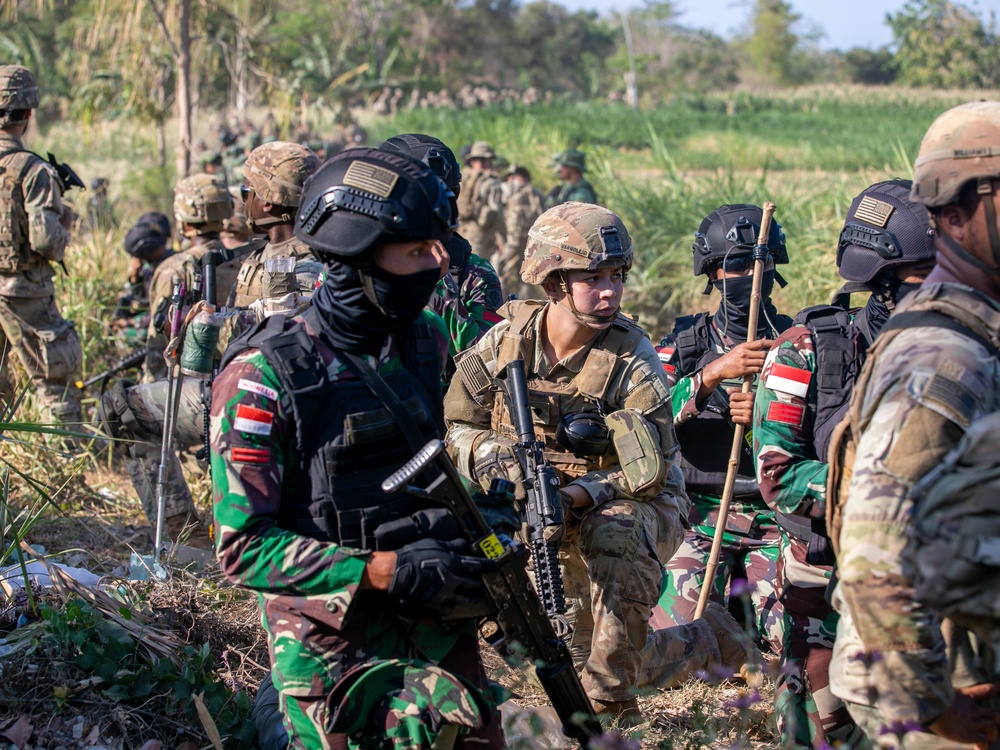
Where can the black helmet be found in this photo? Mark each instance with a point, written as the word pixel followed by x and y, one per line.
pixel 144 239
pixel 432 152
pixel 884 229
pixel 730 232
pixel 160 221
pixel 364 196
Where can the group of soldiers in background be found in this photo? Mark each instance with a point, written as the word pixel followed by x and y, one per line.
pixel 393 331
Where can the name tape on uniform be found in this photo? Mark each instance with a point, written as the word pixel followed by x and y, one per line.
pixel 259 388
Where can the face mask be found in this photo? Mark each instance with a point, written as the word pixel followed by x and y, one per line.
pixel 733 318
pixel 901 289
pixel 402 298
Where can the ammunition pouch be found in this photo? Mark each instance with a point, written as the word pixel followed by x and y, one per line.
pixel 638 447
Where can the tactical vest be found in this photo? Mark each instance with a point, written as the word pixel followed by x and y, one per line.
pixel 346 440
pixel 15 247
pixel 468 199
pixel 586 390
pixel 705 440
pixel 270 272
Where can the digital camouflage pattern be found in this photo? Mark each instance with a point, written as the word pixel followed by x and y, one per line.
pixel 793 481
pixel 202 201
pixel 276 171
pixel 320 624
pixel 750 541
pixel 18 90
pixel 569 238
pixel 522 206
pixel 611 555
pixel 480 211
pixel 922 391
pixel 32 237
pixel 467 300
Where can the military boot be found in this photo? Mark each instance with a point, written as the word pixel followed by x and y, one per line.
pixel 620 714
pixel 737 650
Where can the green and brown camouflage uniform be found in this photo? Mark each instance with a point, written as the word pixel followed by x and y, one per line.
pixel 480 207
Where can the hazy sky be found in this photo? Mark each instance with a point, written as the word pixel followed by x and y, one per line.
pixel 845 23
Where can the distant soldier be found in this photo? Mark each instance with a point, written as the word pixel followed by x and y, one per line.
pixel 886 249
pixel 706 358
pixel 909 678
pixel 523 204
pixel 480 206
pixel 100 208
pixel 571 163
pixel 147 246
pixel 34 232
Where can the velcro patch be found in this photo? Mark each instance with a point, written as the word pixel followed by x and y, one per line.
pixel 253 420
pixel 791 380
pixel 785 413
pixel 280 265
pixel 259 388
pixel 251 455
pixel 874 212
pixel 371 178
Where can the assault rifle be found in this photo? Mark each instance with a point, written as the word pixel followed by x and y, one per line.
pixel 67 175
pixel 543 508
pixel 516 615
pixel 134 358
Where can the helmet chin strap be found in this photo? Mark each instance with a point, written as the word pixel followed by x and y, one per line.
pixel 268 221
pixel 984 187
pixel 571 307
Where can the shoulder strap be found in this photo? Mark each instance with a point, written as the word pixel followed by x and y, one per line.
pixel 936 319
pixel 692 340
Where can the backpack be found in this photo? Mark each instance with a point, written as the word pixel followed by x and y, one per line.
pixel 956 532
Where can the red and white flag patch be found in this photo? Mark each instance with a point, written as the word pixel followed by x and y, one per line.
pixel 253 420
pixel 666 353
pixel 251 455
pixel 778 411
pixel 791 380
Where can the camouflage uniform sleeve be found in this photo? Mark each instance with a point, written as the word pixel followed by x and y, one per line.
pixel 491 214
pixel 684 387
pixel 922 395
pixel 44 206
pixel 251 441
pixel 792 478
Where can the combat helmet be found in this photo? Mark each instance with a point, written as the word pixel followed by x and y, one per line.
pixel 18 91
pixel 276 172
pixel 572 157
pixel 432 152
pixel 731 231
pixel 203 202
pixel 481 150
pixel 883 229
pixel 144 239
pixel 575 237
pixel 363 196
pixel 962 145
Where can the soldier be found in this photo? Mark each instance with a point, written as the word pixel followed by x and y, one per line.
pixel 201 206
pixel 571 164
pixel 34 231
pixel 297 469
pixel 582 358
pixel 908 678
pixel 146 245
pixel 794 413
pixel 522 205
pixel 480 205
pixel 468 297
pixel 705 360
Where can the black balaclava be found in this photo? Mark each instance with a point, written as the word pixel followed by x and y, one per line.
pixel 886 294
pixel 733 315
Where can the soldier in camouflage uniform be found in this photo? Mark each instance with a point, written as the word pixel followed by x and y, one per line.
pixel 34 232
pixel 798 403
pixel 480 205
pixel 297 465
pixel 468 297
pixel 583 356
pixel 908 678
pixel 705 359
pixel 522 205
pixel 571 164
pixel 146 245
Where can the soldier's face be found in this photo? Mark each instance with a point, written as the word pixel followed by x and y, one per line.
pixel 597 293
pixel 405 258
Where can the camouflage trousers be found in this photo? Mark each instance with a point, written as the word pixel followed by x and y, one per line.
pixel 809 714
pixel 134 415
pixel 750 548
pixel 309 658
pixel 48 349
pixel 611 563
pixel 871 729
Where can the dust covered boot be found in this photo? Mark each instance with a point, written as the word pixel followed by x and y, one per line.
pixel 620 714
pixel 738 651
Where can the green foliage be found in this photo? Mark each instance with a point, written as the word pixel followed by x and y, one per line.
pixel 100 647
pixel 942 44
pixel 873 67
pixel 772 44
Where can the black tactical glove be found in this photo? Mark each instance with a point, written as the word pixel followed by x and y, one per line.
pixel 432 573
pixel 430 523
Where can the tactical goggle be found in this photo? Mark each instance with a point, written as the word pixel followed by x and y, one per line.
pixel 736 264
pixel 245 193
pixel 882 242
pixel 390 213
pixel 438 164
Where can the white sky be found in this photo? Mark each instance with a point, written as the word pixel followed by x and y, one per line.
pixel 844 23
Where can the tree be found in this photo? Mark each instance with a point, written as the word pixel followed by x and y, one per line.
pixel 870 67
pixel 942 44
pixel 772 45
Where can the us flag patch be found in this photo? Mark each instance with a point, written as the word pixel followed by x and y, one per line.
pixel 785 413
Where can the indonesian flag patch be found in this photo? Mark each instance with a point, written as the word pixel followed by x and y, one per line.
pixel 253 420
pixel 791 380
pixel 666 353
pixel 778 411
